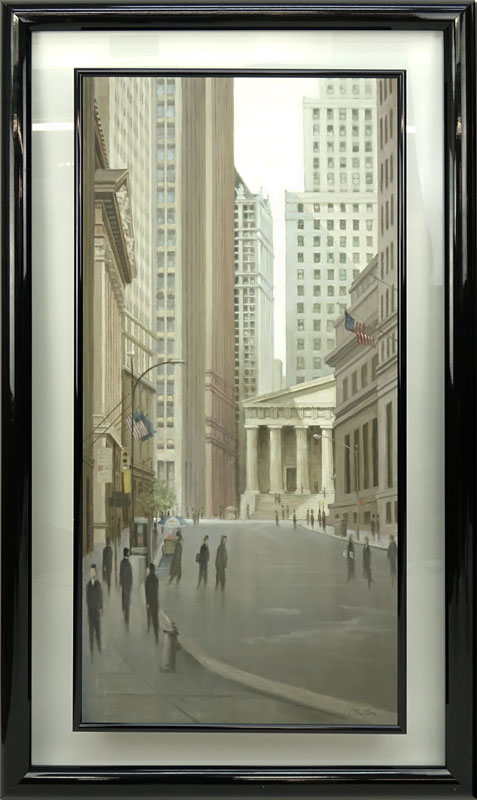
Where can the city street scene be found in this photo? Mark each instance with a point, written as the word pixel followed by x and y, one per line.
pixel 240 370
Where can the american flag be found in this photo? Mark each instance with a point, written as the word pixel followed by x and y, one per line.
pixel 358 328
pixel 139 430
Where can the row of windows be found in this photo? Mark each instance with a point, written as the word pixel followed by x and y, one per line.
pixel 330 274
pixel 330 225
pixel 343 130
pixel 342 162
pixel 344 177
pixel 316 361
pixel 334 208
pixel 169 196
pixel 345 145
pixel 342 113
pixel 300 323
pixel 161 258
pixel 330 258
pixel 162 130
pixel 356 241
pixel 170 151
pixel 161 173
pixel 350 387
pixel 344 86
pixel 168 109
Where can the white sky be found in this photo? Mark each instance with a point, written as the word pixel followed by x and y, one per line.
pixel 268 143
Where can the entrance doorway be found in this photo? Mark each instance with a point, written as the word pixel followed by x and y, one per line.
pixel 291 479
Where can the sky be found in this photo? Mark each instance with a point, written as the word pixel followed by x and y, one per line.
pixel 268 141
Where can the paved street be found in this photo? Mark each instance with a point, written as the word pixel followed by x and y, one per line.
pixel 287 614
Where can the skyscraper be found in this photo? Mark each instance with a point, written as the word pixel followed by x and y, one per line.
pixel 253 299
pixel 331 227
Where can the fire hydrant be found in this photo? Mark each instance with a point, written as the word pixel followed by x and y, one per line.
pixel 171 647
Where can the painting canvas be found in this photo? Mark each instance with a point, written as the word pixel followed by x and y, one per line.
pixel 239 317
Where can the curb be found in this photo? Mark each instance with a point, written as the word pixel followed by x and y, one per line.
pixel 304 697
pixel 344 539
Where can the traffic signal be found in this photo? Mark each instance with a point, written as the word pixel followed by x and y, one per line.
pixel 125 459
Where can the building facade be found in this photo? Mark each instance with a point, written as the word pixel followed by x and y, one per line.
pixel 366 429
pixel 253 305
pixel 289 448
pixel 356 429
pixel 194 196
pixel 331 227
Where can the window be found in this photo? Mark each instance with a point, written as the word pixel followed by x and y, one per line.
pixel 300 290
pixel 300 344
pixel 330 224
pixel 316 344
pixel 317 274
pixel 354 382
pixel 317 291
pixel 342 224
pixel 317 258
pixel 299 208
pixel 330 326
pixel 342 291
pixel 389 443
pixel 316 362
pixel 331 291
pixel 300 324
pixel 364 375
pixel 347 465
pixel 300 362
pixel 329 241
pixel 317 325
pixel 316 224
pixel 375 451
pixel 300 274
pixel 330 343
pixel 366 456
pixel 316 308
pixel 300 308
pixel 316 241
pixel 342 274
pixel 300 223
pixel 344 390
pixel 331 274
pixel 300 258
pixel 300 240
pixel 330 308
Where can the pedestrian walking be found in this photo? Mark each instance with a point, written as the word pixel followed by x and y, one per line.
pixel 307 516
pixel 279 498
pixel 283 512
pixel 294 519
pixel 373 527
pixel 125 582
pixel 277 520
pixel 319 517
pixel 107 565
pixel 367 562
pixel 323 520
pixel 221 559
pixel 312 519
pixel 378 526
pixel 151 587
pixel 171 648
pixel 392 558
pixel 175 570
pixel 288 512
pixel 349 552
pixel 94 602
pixel 324 492
pixel 202 559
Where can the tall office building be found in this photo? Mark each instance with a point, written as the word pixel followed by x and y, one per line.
pixel 253 299
pixel 194 196
pixel 331 227
pixel 387 272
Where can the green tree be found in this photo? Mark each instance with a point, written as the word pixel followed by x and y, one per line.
pixel 156 497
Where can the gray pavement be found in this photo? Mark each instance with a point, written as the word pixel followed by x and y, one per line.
pixel 287 614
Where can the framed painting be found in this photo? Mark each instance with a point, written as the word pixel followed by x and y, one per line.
pixel 238 434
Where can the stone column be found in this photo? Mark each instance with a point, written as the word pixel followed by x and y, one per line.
pixel 252 458
pixel 302 472
pixel 276 477
pixel 327 461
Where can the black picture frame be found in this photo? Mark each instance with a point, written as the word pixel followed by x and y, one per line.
pixel 20 777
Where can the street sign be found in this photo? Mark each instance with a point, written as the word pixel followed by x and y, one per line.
pixel 104 464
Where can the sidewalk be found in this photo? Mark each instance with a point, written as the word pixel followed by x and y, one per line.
pixel 379 544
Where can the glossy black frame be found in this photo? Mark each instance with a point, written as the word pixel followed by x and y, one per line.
pixel 20 777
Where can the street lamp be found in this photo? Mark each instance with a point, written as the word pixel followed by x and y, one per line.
pixel 354 450
pixel 134 383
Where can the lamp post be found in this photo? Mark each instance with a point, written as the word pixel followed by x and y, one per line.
pixel 134 383
pixel 354 450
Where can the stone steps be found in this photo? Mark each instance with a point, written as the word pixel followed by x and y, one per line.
pixel 265 505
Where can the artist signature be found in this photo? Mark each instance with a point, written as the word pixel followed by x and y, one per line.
pixel 361 711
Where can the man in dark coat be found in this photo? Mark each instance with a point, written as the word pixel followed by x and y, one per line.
pixel 312 518
pixel 175 570
pixel 323 520
pixel 151 586
pixel 107 564
pixel 94 602
pixel 350 558
pixel 125 582
pixel 221 564
pixel 367 562
pixel 392 558
pixel 204 556
pixel 294 519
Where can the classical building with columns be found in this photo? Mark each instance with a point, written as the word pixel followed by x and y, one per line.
pixel 287 451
